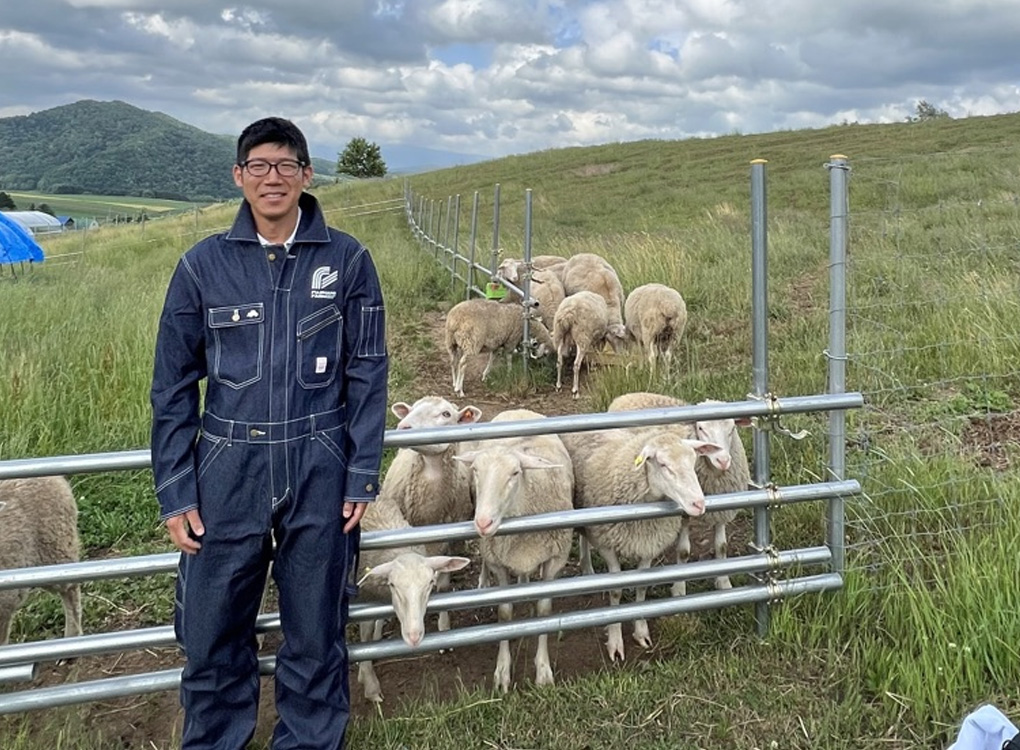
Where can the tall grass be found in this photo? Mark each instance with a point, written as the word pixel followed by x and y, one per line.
pixel 925 627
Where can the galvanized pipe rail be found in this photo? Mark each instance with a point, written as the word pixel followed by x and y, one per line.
pixel 169 679
pixel 25 654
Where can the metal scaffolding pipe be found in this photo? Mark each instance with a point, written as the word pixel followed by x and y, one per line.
pixel 21 654
pixel 165 563
pixel 131 685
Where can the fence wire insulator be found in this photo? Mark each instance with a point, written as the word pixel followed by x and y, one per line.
pixel 771 421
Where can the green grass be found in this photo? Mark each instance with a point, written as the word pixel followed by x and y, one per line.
pixel 102 208
pixel 926 625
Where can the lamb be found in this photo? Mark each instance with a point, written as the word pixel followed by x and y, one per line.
pixel 630 466
pixel 514 477
pixel 655 316
pixel 582 325
pixel 591 272
pixel 721 473
pixel 38 526
pixel 546 287
pixel 404 575
pixel 479 325
pixel 424 482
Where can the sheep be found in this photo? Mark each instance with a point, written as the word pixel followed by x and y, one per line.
pixel 721 473
pixel 404 575
pixel 591 272
pixel 581 324
pixel 425 483
pixel 546 287
pixel 626 467
pixel 655 316
pixel 38 526
pixel 513 477
pixel 479 325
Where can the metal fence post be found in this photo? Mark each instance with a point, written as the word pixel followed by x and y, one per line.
pixel 760 360
pixel 839 209
pixel 456 237
pixel 526 288
pixel 471 248
pixel 494 261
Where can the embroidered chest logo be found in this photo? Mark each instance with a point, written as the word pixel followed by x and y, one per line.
pixel 322 278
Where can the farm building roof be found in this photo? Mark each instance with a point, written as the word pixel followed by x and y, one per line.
pixel 36 221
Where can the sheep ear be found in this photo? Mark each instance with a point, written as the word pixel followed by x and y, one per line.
pixel 382 570
pixel 446 564
pixel 640 458
pixel 703 448
pixel 469 414
pixel 529 461
pixel 400 409
pixel 742 421
pixel 467 458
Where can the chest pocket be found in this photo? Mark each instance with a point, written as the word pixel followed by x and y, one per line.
pixel 239 340
pixel 318 347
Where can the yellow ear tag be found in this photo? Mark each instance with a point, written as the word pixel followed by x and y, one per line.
pixel 638 460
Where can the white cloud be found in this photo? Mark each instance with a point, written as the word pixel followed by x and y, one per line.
pixel 542 73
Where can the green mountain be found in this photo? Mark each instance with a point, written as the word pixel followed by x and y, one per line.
pixel 114 148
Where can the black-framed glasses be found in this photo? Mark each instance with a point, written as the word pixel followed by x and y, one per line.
pixel 284 168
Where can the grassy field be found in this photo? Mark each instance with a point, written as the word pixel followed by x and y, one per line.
pixel 927 625
pixel 102 208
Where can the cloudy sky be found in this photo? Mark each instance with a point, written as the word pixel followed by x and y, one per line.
pixel 496 77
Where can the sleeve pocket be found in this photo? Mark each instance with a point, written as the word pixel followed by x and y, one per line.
pixel 372 336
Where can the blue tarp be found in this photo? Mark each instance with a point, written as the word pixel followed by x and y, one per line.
pixel 16 244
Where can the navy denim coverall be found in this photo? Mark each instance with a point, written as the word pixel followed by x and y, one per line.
pixel 292 344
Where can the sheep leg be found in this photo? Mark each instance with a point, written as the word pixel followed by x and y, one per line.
pixel 483 576
pixel 501 677
pixel 683 554
pixel 651 356
pixel 488 366
pixel 443 584
pixel 614 632
pixel 543 607
pixel 9 602
pixel 366 672
pixel 70 597
pixel 721 548
pixel 578 359
pixel 560 354
pixel 641 634
pixel 584 552
pixel 458 386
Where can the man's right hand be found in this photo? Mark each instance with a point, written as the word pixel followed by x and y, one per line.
pixel 179 528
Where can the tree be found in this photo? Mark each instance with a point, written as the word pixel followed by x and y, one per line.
pixel 7 202
pixel 361 159
pixel 45 208
pixel 926 111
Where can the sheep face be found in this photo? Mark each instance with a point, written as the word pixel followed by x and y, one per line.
pixel 433 411
pixel 509 270
pixel 411 579
pixel 720 432
pixel 669 468
pixel 498 478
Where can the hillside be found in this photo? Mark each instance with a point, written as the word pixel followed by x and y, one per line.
pixel 114 148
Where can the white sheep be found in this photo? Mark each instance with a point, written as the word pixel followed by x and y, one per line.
pixel 38 526
pixel 581 325
pixel 627 467
pixel 546 287
pixel 424 481
pixel 479 325
pixel 723 472
pixel 406 576
pixel 513 477
pixel 655 315
pixel 593 273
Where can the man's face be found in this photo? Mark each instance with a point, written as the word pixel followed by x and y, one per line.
pixel 272 196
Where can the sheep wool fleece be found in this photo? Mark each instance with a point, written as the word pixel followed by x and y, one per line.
pixel 291 342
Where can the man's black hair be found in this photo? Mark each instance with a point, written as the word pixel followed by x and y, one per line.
pixel 275 130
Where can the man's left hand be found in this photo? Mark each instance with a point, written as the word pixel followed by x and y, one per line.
pixel 353 513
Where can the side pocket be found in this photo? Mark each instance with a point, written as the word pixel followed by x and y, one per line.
pixel 209 448
pixel 331 440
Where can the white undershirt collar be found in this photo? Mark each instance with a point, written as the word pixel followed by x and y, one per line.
pixel 290 240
